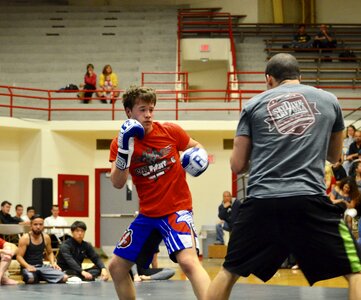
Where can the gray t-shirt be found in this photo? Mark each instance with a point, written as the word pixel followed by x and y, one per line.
pixel 290 128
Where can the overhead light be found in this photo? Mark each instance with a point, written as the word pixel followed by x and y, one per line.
pixel 204 59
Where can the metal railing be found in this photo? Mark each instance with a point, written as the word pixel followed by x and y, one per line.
pixel 172 101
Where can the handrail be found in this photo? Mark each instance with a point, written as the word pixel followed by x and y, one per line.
pixel 179 43
pixel 171 100
pixel 352 112
pixel 171 97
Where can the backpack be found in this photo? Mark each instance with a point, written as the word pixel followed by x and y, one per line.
pixel 71 87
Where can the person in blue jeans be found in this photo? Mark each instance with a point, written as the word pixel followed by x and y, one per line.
pixel 224 210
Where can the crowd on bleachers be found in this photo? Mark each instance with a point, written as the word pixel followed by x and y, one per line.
pixel 323 39
pixel 105 89
pixel 343 180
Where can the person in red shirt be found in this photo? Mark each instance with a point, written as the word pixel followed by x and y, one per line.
pixel 149 152
pixel 7 251
pixel 89 85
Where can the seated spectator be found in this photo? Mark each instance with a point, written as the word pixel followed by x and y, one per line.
pixel 154 273
pixel 5 217
pixel 7 251
pixel 30 255
pixel 89 85
pixel 357 174
pixel 108 86
pixel 324 38
pixel 30 212
pixel 353 151
pixel 301 39
pixel 57 235
pixel 73 251
pixel 338 171
pixel 224 212
pixel 347 197
pixel 140 271
pixel 19 210
pixel 330 179
pixel 356 171
pixel 354 166
pixel 349 139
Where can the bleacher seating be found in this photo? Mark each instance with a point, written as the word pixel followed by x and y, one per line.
pixel 49 46
pixel 322 66
pixel 339 77
pixel 58 42
pixel 285 31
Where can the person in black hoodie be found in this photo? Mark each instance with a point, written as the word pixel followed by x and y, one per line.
pixel 227 211
pixel 73 251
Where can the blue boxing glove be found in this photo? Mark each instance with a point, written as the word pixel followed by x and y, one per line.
pixel 128 131
pixel 194 161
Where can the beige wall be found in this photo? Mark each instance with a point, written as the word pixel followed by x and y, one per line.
pixel 219 49
pixel 334 11
pixel 206 75
pixel 240 7
pixel 45 149
pixel 236 7
pixel 9 167
pixel 327 11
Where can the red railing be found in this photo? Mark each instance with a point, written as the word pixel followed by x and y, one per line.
pixel 29 99
pixel 15 99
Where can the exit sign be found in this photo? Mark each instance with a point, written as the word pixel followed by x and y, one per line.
pixel 205 48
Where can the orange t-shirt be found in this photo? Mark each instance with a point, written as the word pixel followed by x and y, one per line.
pixel 157 172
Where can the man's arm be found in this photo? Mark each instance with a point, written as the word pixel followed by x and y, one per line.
pixel 121 151
pixel 224 213
pixel 240 154
pixel 22 246
pixel 118 177
pixel 193 143
pixel 352 152
pixel 8 220
pixel 93 256
pixel 49 252
pixel 334 151
pixel 65 250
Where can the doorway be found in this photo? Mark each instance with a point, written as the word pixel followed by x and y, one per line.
pixel 114 210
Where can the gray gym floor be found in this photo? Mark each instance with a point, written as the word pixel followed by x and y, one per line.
pixel 164 290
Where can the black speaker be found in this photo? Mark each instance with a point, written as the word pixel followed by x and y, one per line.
pixel 43 196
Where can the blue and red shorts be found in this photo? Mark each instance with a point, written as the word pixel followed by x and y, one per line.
pixel 141 239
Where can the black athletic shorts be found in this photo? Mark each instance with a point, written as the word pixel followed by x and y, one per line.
pixel 266 231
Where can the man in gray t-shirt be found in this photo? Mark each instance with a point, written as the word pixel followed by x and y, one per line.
pixel 290 128
pixel 284 137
